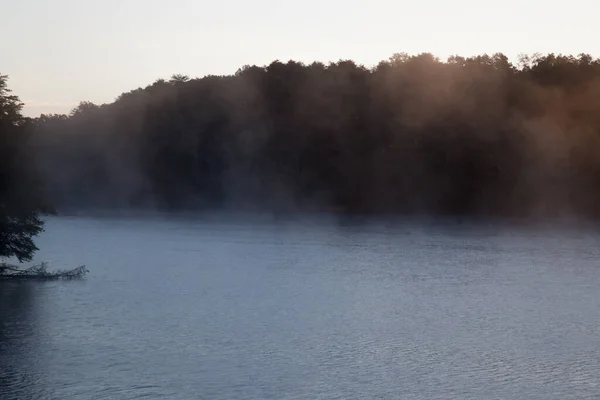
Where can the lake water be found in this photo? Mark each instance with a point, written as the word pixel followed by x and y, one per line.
pixel 216 309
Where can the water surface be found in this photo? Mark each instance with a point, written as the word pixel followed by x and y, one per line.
pixel 211 309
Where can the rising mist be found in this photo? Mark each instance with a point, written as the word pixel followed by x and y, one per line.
pixel 413 135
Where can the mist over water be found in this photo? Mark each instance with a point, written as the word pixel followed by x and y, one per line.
pixel 478 278
pixel 267 308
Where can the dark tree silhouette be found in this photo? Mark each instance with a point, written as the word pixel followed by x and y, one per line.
pixel 19 220
pixel 470 136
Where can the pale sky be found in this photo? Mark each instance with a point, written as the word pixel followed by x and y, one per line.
pixel 60 52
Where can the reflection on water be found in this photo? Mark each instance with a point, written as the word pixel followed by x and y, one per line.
pixel 224 310
pixel 19 338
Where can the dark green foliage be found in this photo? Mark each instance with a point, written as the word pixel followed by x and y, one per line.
pixel 17 230
pixel 414 134
pixel 19 207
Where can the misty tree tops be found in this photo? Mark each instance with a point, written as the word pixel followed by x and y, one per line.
pixel 414 134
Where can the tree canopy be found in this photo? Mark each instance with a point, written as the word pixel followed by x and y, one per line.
pixel 19 218
pixel 415 134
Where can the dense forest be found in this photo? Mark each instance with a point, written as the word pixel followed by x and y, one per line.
pixel 415 134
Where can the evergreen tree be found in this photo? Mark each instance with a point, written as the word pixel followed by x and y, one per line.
pixel 19 209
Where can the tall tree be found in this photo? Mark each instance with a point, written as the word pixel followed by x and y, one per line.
pixel 19 208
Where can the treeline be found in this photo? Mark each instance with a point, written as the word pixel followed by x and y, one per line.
pixel 414 134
